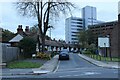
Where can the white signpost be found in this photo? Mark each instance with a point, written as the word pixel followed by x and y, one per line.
pixel 103 42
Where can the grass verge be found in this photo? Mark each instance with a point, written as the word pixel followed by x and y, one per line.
pixel 22 64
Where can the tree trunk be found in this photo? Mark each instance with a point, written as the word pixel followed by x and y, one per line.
pixel 39 43
pixel 43 43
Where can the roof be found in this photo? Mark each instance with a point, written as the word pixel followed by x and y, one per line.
pixel 51 43
pixel 16 38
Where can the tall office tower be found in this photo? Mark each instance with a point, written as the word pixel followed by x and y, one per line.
pixel 89 16
pixel 72 26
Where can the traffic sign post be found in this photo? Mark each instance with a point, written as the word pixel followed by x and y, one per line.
pixel 103 42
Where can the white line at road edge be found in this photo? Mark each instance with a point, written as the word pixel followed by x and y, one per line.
pixel 57 67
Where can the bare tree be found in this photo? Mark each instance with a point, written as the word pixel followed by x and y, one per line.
pixel 43 10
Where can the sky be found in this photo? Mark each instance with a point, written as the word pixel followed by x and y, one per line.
pixel 107 10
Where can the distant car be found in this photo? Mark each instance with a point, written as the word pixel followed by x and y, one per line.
pixel 64 55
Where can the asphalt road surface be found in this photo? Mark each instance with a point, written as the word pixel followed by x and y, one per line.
pixel 75 68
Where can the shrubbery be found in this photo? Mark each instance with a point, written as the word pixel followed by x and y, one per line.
pixel 87 52
pixel 28 47
pixel 43 56
pixel 54 53
pixel 91 49
pixel 47 56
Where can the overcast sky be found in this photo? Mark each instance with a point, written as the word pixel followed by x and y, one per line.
pixel 107 10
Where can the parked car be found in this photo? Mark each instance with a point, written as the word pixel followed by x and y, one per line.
pixel 64 55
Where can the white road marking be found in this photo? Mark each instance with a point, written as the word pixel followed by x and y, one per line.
pixel 57 67
pixel 90 73
pixel 41 71
pixel 76 75
pixel 82 74
pixel 65 76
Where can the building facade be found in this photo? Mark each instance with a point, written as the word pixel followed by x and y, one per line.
pixel 110 30
pixel 0 34
pixel 73 25
pixel 89 15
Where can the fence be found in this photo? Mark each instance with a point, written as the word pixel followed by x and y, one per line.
pixel 9 53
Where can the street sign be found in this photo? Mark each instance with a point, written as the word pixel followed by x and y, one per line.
pixel 103 42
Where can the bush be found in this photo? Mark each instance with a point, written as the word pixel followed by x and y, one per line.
pixel 87 52
pixel 92 48
pixel 28 45
pixel 43 56
pixel 54 53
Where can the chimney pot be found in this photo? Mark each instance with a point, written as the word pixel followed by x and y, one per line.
pixel 19 29
pixel 27 29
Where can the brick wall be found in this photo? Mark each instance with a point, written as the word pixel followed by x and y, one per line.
pixel 114 42
pixel 119 35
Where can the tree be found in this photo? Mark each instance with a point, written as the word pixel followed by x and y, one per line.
pixel 86 38
pixel 34 29
pixel 7 35
pixel 90 37
pixel 28 45
pixel 82 38
pixel 43 11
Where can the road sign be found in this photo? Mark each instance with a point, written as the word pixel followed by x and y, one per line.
pixel 103 42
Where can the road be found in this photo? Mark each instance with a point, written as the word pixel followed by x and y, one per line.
pixel 76 67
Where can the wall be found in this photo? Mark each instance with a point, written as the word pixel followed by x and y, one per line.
pixel 119 34
pixel 9 53
pixel 114 42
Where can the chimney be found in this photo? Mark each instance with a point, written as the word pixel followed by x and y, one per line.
pixel 19 29
pixel 27 29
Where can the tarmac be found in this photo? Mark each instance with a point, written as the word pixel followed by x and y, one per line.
pixel 51 65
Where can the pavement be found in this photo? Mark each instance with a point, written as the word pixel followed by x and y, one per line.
pixel 47 67
pixel 100 63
